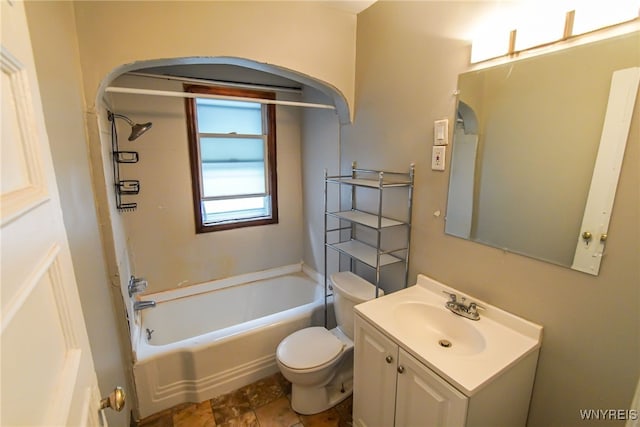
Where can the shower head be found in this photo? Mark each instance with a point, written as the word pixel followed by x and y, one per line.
pixel 137 129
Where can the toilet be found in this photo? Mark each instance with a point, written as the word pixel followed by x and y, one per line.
pixel 319 362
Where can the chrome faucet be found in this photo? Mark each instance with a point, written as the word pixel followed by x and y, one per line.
pixel 136 284
pixel 460 308
pixel 141 305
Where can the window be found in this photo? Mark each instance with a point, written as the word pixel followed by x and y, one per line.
pixel 232 145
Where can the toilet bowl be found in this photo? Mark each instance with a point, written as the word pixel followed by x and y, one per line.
pixel 319 362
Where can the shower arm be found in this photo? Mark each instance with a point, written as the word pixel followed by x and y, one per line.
pixel 113 116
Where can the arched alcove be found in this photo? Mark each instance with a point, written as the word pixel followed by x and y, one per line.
pixel 337 98
pixel 317 148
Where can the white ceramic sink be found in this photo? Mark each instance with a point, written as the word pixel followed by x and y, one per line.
pixel 467 353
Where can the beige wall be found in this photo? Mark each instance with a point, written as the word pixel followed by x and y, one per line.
pixel 307 37
pixel 408 57
pixel 163 246
pixel 320 151
pixel 55 48
pixel 119 36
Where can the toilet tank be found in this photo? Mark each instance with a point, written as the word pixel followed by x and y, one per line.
pixel 349 290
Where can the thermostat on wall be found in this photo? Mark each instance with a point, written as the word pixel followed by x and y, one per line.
pixel 440 132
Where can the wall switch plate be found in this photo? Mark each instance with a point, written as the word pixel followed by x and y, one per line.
pixel 441 132
pixel 437 157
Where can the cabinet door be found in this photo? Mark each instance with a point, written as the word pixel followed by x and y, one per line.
pixel 374 377
pixel 424 399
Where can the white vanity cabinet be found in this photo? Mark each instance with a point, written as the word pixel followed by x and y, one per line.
pixel 425 399
pixel 391 387
pixel 417 364
pixel 374 376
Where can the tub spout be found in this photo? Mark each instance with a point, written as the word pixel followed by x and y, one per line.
pixel 141 305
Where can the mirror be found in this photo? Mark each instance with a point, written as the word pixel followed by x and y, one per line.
pixel 526 140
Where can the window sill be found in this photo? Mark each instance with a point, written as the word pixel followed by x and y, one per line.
pixel 230 225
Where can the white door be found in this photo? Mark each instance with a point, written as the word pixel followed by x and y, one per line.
pixel 425 399
pixel 47 374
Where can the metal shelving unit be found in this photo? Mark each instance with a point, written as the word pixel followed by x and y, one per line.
pixel 344 239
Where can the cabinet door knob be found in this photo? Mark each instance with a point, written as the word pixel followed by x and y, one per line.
pixel 400 369
pixel 389 359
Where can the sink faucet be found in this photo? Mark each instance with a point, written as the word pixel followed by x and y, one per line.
pixel 141 305
pixel 460 308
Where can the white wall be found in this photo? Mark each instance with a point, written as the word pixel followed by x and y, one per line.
pixel 162 242
pixel 409 55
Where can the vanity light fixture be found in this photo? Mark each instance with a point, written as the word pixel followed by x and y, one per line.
pixel 532 35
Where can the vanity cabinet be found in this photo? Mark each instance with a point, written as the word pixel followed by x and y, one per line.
pixel 418 364
pixel 425 399
pixel 392 388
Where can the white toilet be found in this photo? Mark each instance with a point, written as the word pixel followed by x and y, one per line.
pixel 319 362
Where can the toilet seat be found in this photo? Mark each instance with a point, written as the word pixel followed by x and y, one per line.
pixel 309 348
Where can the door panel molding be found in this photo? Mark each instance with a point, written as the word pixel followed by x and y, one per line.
pixel 23 292
pixel 28 190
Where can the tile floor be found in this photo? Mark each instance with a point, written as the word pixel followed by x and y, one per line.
pixel 264 403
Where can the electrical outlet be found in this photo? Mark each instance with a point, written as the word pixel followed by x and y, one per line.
pixel 437 157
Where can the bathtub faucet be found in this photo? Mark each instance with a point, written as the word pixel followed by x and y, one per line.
pixel 141 305
pixel 136 284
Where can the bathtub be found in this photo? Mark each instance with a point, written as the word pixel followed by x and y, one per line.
pixel 212 338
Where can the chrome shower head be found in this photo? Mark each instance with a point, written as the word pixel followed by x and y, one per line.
pixel 137 129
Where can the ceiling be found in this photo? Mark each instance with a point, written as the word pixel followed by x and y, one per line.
pixel 352 6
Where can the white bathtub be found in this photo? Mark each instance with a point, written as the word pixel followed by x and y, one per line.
pixel 215 337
